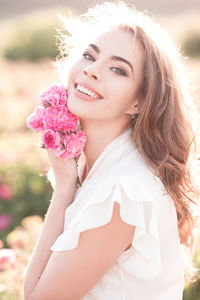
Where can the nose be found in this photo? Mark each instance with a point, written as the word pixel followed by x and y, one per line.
pixel 91 72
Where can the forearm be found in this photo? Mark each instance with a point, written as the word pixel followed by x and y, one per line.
pixel 52 228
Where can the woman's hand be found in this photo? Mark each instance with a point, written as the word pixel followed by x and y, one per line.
pixel 64 170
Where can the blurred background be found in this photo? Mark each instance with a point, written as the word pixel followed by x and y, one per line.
pixel 27 51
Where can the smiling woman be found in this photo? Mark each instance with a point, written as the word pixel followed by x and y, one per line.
pixel 109 238
pixel 105 69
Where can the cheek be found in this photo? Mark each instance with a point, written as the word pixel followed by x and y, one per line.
pixel 74 69
pixel 122 95
pixel 74 104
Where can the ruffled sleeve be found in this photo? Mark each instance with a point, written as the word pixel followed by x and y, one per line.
pixel 137 208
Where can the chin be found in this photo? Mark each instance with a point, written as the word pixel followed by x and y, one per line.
pixel 73 106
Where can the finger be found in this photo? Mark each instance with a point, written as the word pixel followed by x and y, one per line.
pixel 77 158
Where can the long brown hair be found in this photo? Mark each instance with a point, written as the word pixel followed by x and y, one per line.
pixel 163 132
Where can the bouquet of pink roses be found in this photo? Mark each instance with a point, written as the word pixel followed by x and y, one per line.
pixel 60 128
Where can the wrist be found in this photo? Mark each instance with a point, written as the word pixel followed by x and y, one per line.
pixel 64 185
pixel 64 193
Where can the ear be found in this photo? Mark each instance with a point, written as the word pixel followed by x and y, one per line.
pixel 135 108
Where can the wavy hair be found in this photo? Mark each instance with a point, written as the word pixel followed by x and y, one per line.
pixel 163 131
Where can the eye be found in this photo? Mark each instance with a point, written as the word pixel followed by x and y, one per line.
pixel 119 71
pixel 88 56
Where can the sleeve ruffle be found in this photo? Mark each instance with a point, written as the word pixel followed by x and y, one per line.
pixel 137 208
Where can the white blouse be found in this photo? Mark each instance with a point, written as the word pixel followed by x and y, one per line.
pixel 152 268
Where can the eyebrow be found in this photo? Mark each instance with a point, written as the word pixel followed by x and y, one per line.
pixel 113 57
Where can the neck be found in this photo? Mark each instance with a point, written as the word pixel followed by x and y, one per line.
pixel 98 137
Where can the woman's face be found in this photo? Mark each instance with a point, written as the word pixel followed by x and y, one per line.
pixel 110 69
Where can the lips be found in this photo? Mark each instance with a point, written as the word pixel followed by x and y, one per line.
pixel 87 86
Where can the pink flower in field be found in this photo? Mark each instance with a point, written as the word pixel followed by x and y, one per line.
pixel 54 95
pixel 7 256
pixel 5 221
pixel 51 139
pixel 35 120
pixel 5 192
pixel 73 145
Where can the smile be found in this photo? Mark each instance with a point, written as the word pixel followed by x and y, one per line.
pixel 89 91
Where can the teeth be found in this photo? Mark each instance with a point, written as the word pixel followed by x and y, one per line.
pixel 86 91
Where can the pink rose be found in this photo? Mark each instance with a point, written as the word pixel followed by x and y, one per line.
pixel 73 145
pixel 60 119
pixel 58 125
pixel 50 118
pixel 72 122
pixel 54 95
pixel 5 221
pixel 5 192
pixel 51 139
pixel 7 256
pixel 35 120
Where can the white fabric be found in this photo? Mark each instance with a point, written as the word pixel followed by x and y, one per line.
pixel 152 268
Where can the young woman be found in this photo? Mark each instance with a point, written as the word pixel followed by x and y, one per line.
pixel 118 236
